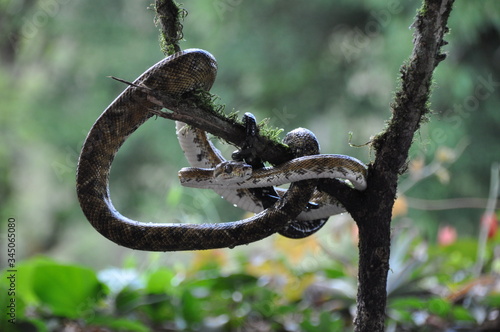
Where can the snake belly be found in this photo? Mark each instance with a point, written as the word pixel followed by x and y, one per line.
pixel 175 75
pixel 204 157
pixel 201 153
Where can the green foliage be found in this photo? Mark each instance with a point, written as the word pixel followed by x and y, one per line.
pixel 322 322
pixel 425 287
pixel 118 324
pixel 66 290
pixel 328 66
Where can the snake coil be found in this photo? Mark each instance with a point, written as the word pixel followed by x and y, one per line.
pixel 175 75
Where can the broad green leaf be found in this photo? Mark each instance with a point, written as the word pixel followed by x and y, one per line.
pixel 160 281
pixel 439 307
pixel 128 299
pixel 69 291
pixel 25 276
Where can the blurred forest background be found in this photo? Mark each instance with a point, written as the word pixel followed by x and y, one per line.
pixel 330 66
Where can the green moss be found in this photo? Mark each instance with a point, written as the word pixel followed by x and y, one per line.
pixel 209 102
pixel 168 17
pixel 423 10
pixel 272 133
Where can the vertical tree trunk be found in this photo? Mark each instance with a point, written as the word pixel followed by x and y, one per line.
pixel 372 209
pixel 409 108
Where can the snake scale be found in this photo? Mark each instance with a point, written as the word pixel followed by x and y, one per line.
pixel 204 158
pixel 175 75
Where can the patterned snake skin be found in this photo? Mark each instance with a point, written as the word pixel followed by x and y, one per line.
pixel 204 159
pixel 180 73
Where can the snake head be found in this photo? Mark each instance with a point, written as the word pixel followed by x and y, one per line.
pixel 232 171
pixel 302 142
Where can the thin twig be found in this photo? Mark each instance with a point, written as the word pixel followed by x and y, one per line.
pixel 448 204
pixel 432 168
pixel 490 210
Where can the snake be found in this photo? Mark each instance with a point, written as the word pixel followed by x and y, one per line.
pixel 176 75
pixel 234 174
pixel 205 159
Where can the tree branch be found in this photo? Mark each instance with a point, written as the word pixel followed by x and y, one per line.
pixel 199 110
pixel 373 210
pixel 168 17
pixel 195 110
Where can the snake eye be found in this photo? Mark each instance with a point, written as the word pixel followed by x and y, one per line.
pixel 228 168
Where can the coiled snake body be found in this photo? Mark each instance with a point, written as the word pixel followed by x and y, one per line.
pixel 205 159
pixel 175 75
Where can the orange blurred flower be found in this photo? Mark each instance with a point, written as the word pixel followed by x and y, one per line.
pixel 400 207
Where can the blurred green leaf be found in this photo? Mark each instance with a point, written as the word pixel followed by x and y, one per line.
pixel 128 299
pixel 407 303
pixel 159 308
pixel 326 321
pixel 439 307
pixel 68 290
pixel 493 300
pixel 234 281
pixel 174 196
pixel 118 324
pixel 462 314
pixel 45 83
pixel 192 310
pixel 26 277
pixel 402 308
pixel 334 273
pixel 160 281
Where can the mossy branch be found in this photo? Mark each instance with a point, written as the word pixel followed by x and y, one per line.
pixel 371 209
pixel 410 106
pixel 168 17
pixel 409 109
pixel 200 109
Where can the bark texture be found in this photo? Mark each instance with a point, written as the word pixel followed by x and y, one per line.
pixel 371 209
pixel 409 109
